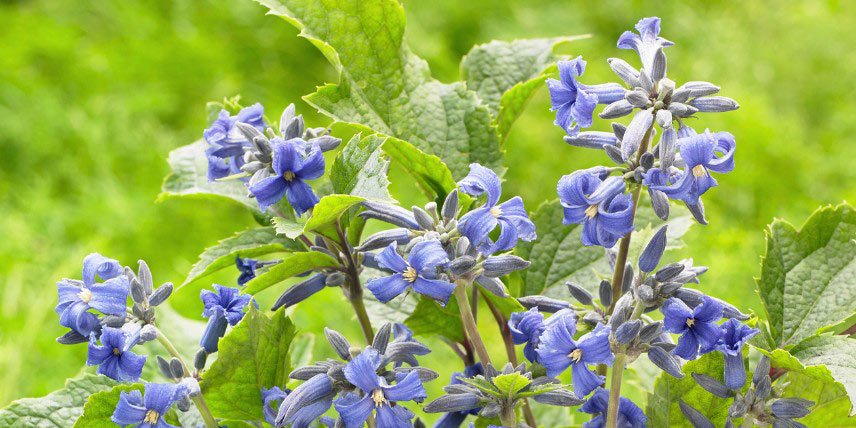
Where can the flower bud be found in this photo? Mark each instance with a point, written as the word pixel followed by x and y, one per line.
pixel 627 332
pixel 462 246
pixel 592 139
pixel 559 397
pixel 450 206
pixel 668 289
pixel 453 403
pixel 791 407
pixel 652 253
pixel 496 266
pixel 578 292
pixel 761 370
pixel 645 81
pixel 627 278
pixel 183 404
pixel 494 285
pixel 681 109
pixel 664 119
pixel 617 109
pixel 148 333
pixel 544 304
pixel 658 66
pixel 138 294
pixel 307 372
pixel 163 366
pixel 144 275
pixel 711 385
pixel 665 361
pixel 199 359
pixel 695 417
pixel 624 71
pixel 161 294
pixel 592 318
pixel 668 272
pixel 423 218
pixel 647 160
pixel 115 321
pixel 650 331
pixel 637 98
pixel 300 291
pixel 614 153
pixel 381 338
pixel 646 294
pixel 763 388
pixel 635 131
pixel 338 342
pixel 605 292
pixel 393 214
pixel 715 104
pixel 334 279
pixel 383 238
pixel 176 368
pixel 699 89
pixel 461 265
pixel 689 296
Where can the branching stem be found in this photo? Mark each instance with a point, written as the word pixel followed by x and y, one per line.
pixel 470 326
pixel 199 400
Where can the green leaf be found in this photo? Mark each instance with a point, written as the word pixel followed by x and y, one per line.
pixel 301 350
pixel 189 179
pixel 506 74
pixel 60 408
pixel 826 358
pixel 429 318
pixel 248 243
pixel 831 408
pixel 385 86
pixel 558 255
pixel 663 410
pixel 254 355
pixel 290 227
pixel 325 213
pixel 511 383
pixel 431 174
pixel 290 266
pixel 101 405
pixel 808 276
pixel 359 169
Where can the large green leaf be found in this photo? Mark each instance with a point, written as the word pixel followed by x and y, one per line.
pixel 831 408
pixel 290 266
pixel 189 178
pixel 359 169
pixel 429 318
pixel 101 405
pixel 431 174
pixel 827 358
pixel 59 409
pixel 324 213
pixel 385 86
pixel 506 74
pixel 254 355
pixel 248 243
pixel 558 255
pixel 808 277
pixel 663 409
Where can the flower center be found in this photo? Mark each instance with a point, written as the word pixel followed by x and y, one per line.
pixel 116 351
pixel 699 171
pixel 410 274
pixel 85 295
pixel 591 211
pixel 576 355
pixel 151 417
pixel 496 211
pixel 378 398
pixel 288 175
pixel 690 322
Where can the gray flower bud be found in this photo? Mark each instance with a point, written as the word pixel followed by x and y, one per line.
pixel 699 89
pixel 681 109
pixel 665 361
pixel 450 206
pixel 791 407
pixel 453 403
pixel 715 104
pixel 559 397
pixel 645 81
pixel 763 388
pixel 618 129
pixel 658 67
pixel 650 257
pixel 624 71
pixel 423 218
pixel 646 294
pixel 248 130
pixel 393 214
pixel 183 404
pixel 647 160
pixel 544 304
pixel 621 311
pixel 614 153
pixel 761 370
pixel 627 332
pixel 161 294
pixel 252 166
pixel 605 293
pixel 381 338
pixel 199 359
pixel 163 366
pixel 578 292
pixel 144 275
pixel 592 139
pixel 72 338
pixel 711 385
pixel 668 272
pixel 300 291
pixel 494 285
pixel 496 266
pixel 694 416
pixel 138 294
pixel 637 98
pixel 617 109
pixel 461 265
pixel 669 288
pixel 176 368
pixel 698 212
pixel 650 331
pixel 681 95
pixel 334 279
pixel 115 321
pixel 490 410
pixel 635 131
pixel 383 238
pixel 307 372
pixel 689 296
pixel 148 333
pixel 338 342
pixel 664 118
pixel 660 203
pixel 627 279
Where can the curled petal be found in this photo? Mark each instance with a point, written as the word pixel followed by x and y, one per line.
pixel 427 255
pixel 482 180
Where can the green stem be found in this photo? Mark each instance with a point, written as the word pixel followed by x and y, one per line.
pixel 617 373
pixel 355 289
pixel 747 422
pixel 470 326
pixel 199 400
pixel 507 416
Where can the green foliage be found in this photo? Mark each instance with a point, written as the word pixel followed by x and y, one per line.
pixel 429 318
pixel 254 355
pixel 291 265
pixel 510 384
pixel 324 214
pixel 101 405
pixel 807 275
pixel 359 169
pixel 385 86
pixel 831 408
pixel 663 409
pixel 59 408
pixel 430 173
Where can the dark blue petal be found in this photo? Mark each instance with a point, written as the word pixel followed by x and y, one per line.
pixel 252 115
pixel 436 289
pixel 708 311
pixel 387 288
pixel 160 396
pixel 595 346
pixel 394 417
pixel 96 264
pixel 353 410
pixel 725 146
pixel 269 191
pixel 110 297
pixel 735 372
pixel 584 380
pixel 675 315
pixel 482 180
pixel 286 156
pixel 130 409
pixel 409 388
pixel 313 165
pixel 477 224
pixel 300 196
pixel 425 256
pixel 362 370
pixel 304 417
pixel 687 346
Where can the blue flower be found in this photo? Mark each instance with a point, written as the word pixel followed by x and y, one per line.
pixel 511 216
pixel 646 43
pixel 696 326
pixel 292 171
pixel 147 410
pixel 113 357
pixel 247 267
pixel 226 142
pixel 377 394
pixel 629 414
pixel 558 351
pixel 77 297
pixel 270 397
pixel 455 419
pixel 701 154
pixel 306 403
pixel 573 101
pixel 227 299
pixel 735 334
pixel 418 273
pixel 527 327
pixel 601 206
pixel 402 334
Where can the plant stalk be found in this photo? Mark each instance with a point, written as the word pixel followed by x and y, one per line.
pixel 355 289
pixel 508 417
pixel 199 400
pixel 470 326
pixel 617 373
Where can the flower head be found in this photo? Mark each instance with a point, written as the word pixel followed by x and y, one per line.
pixel 306 403
pixel 647 42
pixel 113 357
pixel 558 351
pixel 270 397
pixel 510 215
pixel 226 142
pixel 573 101
pixel 377 394
pixel 696 326
pixel 247 267
pixel 417 273
pixel 701 154
pixel 735 334
pixel 601 206
pixel 227 299
pixel 147 409
pixel 292 170
pixel 629 414
pixel 527 327
pixel 76 298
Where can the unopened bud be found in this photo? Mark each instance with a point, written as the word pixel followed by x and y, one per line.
pixel 161 294
pixel 423 218
pixel 665 361
pixel 628 331
pixel 605 292
pixel 711 385
pixel 496 266
pixel 148 333
pixel 338 342
pixel 461 265
pixel 578 292
pixel 450 206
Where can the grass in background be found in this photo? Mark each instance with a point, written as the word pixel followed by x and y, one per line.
pixel 93 95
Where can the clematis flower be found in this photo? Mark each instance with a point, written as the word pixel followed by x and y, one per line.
pixel 271 397
pixel 148 409
pixel 228 299
pixel 377 395
pixel 292 171
pixel 417 273
pixel 647 42
pixel 701 153
pixel 226 142
pixel 735 334
pixel 306 403
pixel 510 216
pixel 601 206
pixel 527 327
pixel 696 326
pixel 573 101
pixel 247 267
pixel 455 419
pixel 629 414
pixel 558 351
pixel 113 357
pixel 76 298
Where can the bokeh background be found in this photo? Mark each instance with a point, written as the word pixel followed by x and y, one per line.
pixel 94 94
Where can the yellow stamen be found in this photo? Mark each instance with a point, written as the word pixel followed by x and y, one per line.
pixel 378 398
pixel 151 417
pixel 116 351
pixel 690 322
pixel 85 295
pixel 496 211
pixel 410 274
pixel 699 171
pixel 591 211
pixel 288 175
pixel 576 355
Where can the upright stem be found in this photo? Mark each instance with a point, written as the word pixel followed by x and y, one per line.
pixel 469 322
pixel 747 422
pixel 508 417
pixel 355 289
pixel 199 400
pixel 617 373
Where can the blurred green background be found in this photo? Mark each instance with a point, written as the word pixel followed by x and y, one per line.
pixel 94 94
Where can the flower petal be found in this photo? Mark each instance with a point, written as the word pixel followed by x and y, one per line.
pixel 584 380
pixel 353 410
pixel 708 311
pixel 434 288
pixel 425 256
pixel 111 296
pixel 394 417
pixel 687 346
pixel 269 191
pixel 300 196
pixel 477 224
pixel 362 370
pixel 130 409
pixel 286 156
pixel 96 264
pixel 482 180
pixel 409 388
pixel 387 288
pixel 595 346
pixel 160 396
pixel 313 165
